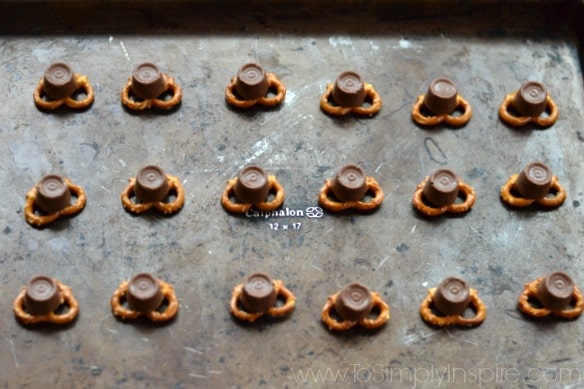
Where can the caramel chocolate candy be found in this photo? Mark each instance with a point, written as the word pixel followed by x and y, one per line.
pixel 53 194
pixel 252 82
pixel 534 181
pixel 530 99
pixel 354 302
pixel 151 184
pixel 452 296
pixel 350 183
pixel 147 81
pixel 441 96
pixel 252 186
pixel 41 296
pixel 555 291
pixel 59 81
pixel 441 188
pixel 349 90
pixel 144 293
pixel 258 294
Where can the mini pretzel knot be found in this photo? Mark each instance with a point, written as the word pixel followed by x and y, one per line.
pixel 135 104
pixel 31 212
pixel 336 110
pixel 520 202
pixel 466 190
pixel 156 315
pixel 376 304
pixel 324 198
pixel 81 84
pixel 232 98
pixel 66 298
pixel 234 207
pixel 166 208
pixel 530 293
pixel 461 104
pixel 275 311
pixel 453 320
pixel 518 121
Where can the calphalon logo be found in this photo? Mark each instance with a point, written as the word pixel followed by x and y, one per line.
pixel 310 212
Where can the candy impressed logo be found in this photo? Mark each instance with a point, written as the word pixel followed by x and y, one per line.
pixel 309 212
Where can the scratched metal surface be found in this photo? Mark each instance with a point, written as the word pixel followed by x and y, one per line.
pixel 204 251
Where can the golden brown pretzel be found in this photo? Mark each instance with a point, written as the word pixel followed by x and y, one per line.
pixel 275 311
pixel 458 320
pixel 337 206
pixel 165 208
pixel 274 82
pixel 234 207
pixel 42 220
pixel 467 192
pixel 518 121
pixel 424 120
pixel 336 110
pixel 156 316
pixel 81 82
pixel 169 86
pixel 520 202
pixel 376 303
pixel 56 318
pixel 530 293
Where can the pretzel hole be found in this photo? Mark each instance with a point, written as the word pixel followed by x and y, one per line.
pixel 534 302
pixel 79 94
pixel 424 111
pixel 133 97
pixel 513 112
pixel 166 95
pixel 44 97
pixel 458 111
pixel 552 193
pixel 375 312
pixel 272 92
pixel 335 315
pixel 163 305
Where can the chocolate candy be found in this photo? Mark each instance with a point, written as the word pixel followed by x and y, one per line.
pixel 144 293
pixel 354 302
pixel 53 194
pixel 252 186
pixel 59 81
pixel 452 296
pixel 258 294
pixel 41 295
pixel 534 181
pixel 349 90
pixel 441 97
pixel 151 184
pixel 350 183
pixel 252 82
pixel 441 188
pixel 147 81
pixel 555 291
pixel 530 99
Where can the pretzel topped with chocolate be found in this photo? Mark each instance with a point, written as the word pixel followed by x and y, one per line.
pixel 527 105
pixel 441 100
pixel 45 300
pixel 145 295
pixel 257 297
pixel 353 304
pixel 252 187
pixel 348 95
pixel 252 85
pixel 437 194
pixel 50 199
pixel 445 305
pixel 349 189
pixel 151 188
pixel 59 86
pixel 554 295
pixel 147 87
pixel 534 184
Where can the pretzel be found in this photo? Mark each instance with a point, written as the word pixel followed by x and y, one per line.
pixel 275 83
pixel 336 110
pixel 169 86
pixel 30 208
pixel 520 202
pixel 451 320
pixel 335 206
pixel 155 315
pixel 166 208
pixel 81 83
pixel 334 325
pixel 424 120
pixel 275 311
pixel 57 318
pixel 530 292
pixel 518 121
pixel 231 206
pixel 467 192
